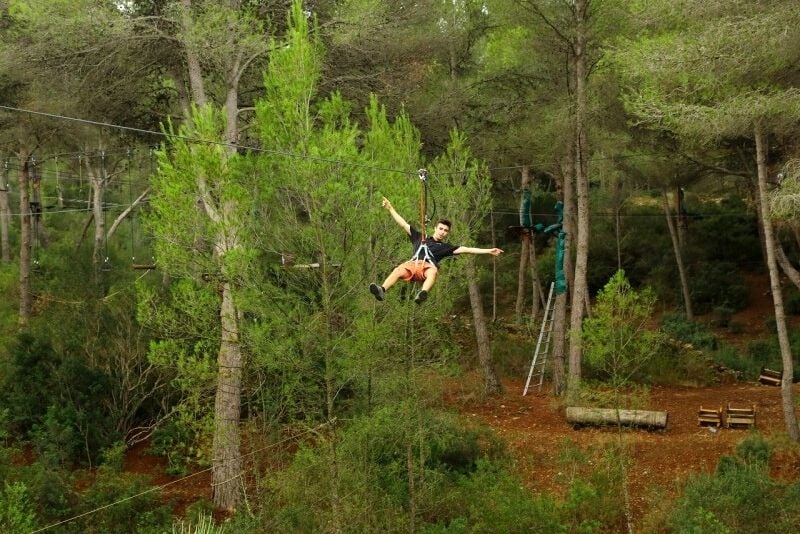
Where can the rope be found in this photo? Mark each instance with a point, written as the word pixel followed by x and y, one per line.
pixel 203 141
pixel 162 486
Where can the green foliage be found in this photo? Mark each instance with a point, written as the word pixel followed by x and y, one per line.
pixel 371 458
pixel 16 510
pixel 593 477
pixel 184 439
pixel 695 333
pixel 738 496
pixel 140 514
pixel 491 499
pixel 617 341
pixel 717 284
pixel 58 401
pixel 204 524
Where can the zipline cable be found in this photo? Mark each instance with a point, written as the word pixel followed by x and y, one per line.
pixel 205 141
pixel 170 483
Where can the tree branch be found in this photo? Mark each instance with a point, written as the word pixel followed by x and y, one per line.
pixel 125 213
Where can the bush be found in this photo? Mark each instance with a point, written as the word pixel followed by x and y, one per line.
pixel 57 401
pixel 370 459
pixel 678 363
pixel 739 497
pixel 696 334
pixel 16 511
pixel 491 499
pixel 141 514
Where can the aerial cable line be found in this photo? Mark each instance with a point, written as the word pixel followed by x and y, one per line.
pixel 162 486
pixel 206 141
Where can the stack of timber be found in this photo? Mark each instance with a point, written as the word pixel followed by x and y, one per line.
pixel 768 377
pixel 740 417
pixel 579 416
pixel 710 416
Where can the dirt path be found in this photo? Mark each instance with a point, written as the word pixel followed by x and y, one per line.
pixel 535 428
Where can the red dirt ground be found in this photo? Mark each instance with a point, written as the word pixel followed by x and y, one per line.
pixel 535 428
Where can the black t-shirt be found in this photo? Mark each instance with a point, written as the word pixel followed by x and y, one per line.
pixel 438 249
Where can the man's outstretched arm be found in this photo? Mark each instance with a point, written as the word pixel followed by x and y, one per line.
pixel 472 250
pixel 396 216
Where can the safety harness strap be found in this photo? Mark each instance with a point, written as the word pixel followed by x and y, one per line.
pixel 423 253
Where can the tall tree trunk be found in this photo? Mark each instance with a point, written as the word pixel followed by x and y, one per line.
pixel 618 220
pixel 490 380
pixel 192 60
pixel 560 309
pixel 680 217
pixel 98 183
pixel 676 248
pixel 5 223
pixel 494 269
pixel 789 414
pixel 523 254
pixel 227 461
pixel 537 295
pixel 580 290
pixel 25 295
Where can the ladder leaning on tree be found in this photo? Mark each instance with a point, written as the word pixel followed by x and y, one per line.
pixel 539 361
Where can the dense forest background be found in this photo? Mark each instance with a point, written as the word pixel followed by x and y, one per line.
pixel 190 217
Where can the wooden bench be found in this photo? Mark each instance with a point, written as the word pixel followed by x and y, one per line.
pixel 709 416
pixel 768 377
pixel 740 417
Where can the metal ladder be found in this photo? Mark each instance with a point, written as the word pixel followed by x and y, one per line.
pixel 542 344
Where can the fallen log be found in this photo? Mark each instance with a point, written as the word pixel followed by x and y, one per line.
pixel 608 416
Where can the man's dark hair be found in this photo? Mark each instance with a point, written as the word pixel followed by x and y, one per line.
pixel 445 222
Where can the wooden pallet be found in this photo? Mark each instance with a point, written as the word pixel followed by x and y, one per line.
pixel 740 417
pixel 768 377
pixel 709 416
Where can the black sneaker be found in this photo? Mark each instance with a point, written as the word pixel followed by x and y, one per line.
pixel 421 297
pixel 377 290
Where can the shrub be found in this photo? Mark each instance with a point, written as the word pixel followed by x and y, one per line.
pixel 16 511
pixel 140 514
pixel 491 499
pixel 716 284
pixel 696 334
pixel 739 497
pixel 370 459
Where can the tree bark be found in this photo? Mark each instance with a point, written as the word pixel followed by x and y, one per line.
pixel 786 266
pixel 523 255
pixel 537 296
pixel 97 180
pixel 5 223
pixel 676 248
pixel 790 416
pixel 560 308
pixel 680 217
pixel 125 213
pixel 611 416
pixel 25 295
pixel 227 460
pixel 192 60
pixel 490 380
pixel 580 290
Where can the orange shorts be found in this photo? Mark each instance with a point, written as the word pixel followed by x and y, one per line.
pixel 414 270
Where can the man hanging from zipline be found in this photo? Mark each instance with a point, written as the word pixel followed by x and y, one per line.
pixel 428 252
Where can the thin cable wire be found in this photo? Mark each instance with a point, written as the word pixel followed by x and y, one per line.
pixel 162 486
pixel 205 141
